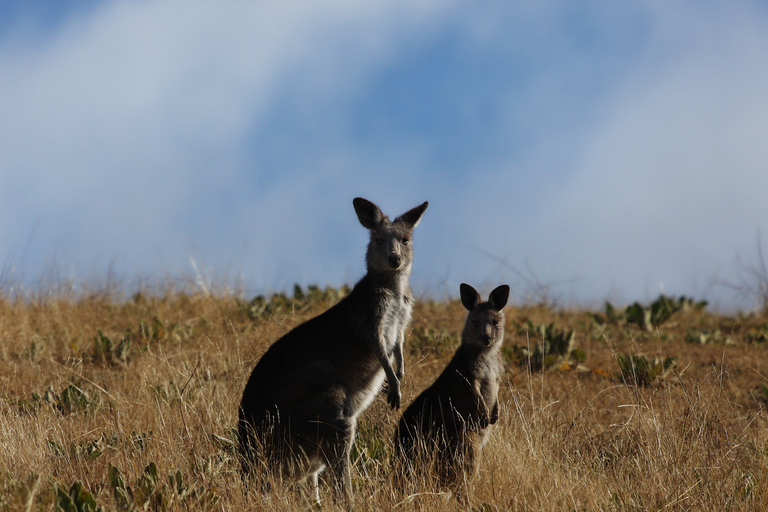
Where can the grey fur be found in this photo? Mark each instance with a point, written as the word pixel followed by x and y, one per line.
pixel 299 408
pixel 448 423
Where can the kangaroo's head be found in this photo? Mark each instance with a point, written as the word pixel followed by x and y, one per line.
pixel 485 322
pixel 390 248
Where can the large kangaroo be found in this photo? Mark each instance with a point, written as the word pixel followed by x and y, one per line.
pixel 299 409
pixel 447 424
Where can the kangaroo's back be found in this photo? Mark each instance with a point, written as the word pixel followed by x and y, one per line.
pixel 301 402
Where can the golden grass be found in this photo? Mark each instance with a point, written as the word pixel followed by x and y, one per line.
pixel 569 438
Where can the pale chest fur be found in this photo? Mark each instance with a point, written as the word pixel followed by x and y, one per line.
pixel 487 372
pixel 391 318
pixel 394 317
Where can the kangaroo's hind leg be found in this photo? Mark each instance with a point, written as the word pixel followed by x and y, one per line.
pixel 254 454
pixel 340 476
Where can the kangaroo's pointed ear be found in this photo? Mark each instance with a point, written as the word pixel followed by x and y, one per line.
pixel 499 296
pixel 469 297
pixel 412 217
pixel 369 214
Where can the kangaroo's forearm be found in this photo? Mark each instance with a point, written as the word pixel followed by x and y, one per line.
pixel 399 362
pixel 389 370
pixel 495 412
pixel 378 347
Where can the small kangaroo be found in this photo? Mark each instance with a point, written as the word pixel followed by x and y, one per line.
pixel 449 420
pixel 300 406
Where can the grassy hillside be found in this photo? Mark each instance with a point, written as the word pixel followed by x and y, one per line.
pixel 123 403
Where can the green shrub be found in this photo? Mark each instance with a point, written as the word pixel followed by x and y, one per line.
pixel 261 307
pixel 106 352
pixel 151 493
pixel 637 370
pixel 648 317
pixel 757 334
pixel 612 315
pixel 553 345
pixel 705 336
pixel 78 499
pixel 73 399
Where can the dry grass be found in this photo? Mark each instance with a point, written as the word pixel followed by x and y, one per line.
pixel 570 437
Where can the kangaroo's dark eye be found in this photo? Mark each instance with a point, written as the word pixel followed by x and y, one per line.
pixel 379 241
pixel 406 241
pixel 495 323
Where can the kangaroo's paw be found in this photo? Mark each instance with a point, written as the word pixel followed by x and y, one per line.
pixel 393 396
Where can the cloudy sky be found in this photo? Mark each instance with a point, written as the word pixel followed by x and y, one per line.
pixel 583 151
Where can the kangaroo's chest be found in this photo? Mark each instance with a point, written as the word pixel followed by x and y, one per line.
pixel 489 388
pixel 486 379
pixel 395 315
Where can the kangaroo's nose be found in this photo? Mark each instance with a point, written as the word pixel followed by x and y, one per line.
pixel 486 338
pixel 394 261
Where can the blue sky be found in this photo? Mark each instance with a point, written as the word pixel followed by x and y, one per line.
pixel 605 150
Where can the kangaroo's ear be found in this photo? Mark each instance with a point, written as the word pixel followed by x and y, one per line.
pixel 412 217
pixel 469 297
pixel 368 213
pixel 499 296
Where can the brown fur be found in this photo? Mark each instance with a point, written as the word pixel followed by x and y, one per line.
pixel 299 408
pixel 447 424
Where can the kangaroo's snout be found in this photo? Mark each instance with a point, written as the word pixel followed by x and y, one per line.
pixel 486 338
pixel 395 261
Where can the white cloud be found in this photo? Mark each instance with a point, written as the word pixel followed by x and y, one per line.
pixel 624 147
pixel 667 191
pixel 133 122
